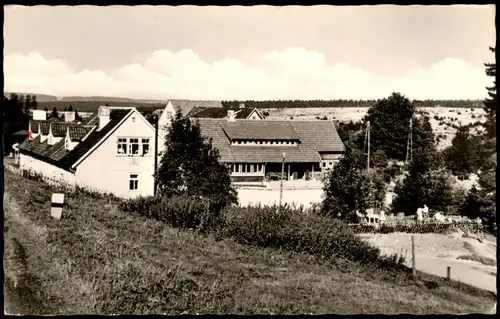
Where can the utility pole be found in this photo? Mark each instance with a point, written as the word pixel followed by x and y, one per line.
pixel 156 156
pixel 409 144
pixel 368 137
pixel 283 156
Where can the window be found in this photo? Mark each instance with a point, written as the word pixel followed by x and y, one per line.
pixel 244 170
pixel 133 182
pixel 169 114
pixel 145 146
pixel 122 146
pixel 66 144
pixel 324 164
pixel 134 146
pixel 237 168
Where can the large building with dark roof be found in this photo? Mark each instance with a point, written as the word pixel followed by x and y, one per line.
pixel 253 150
pixel 111 151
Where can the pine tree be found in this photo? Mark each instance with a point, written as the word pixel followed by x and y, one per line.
pixel 34 103
pixel 77 116
pixel 463 156
pixel 427 183
pixel 389 121
pixel 27 103
pixel 190 165
pixel 490 103
pixel 70 109
pixel 54 113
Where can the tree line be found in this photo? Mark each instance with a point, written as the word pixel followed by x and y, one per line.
pixel 282 104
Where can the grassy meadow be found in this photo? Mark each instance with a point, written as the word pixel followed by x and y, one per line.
pixel 101 260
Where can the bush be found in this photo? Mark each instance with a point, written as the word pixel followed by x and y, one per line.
pixel 187 212
pixel 300 231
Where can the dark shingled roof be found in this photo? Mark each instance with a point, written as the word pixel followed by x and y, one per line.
pixel 77 133
pixel 185 106
pixel 315 137
pixel 58 155
pixel 259 130
pixel 214 112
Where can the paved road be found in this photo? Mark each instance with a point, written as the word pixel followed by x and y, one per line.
pixel 469 272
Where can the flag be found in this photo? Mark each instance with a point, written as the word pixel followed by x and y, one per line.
pixel 30 135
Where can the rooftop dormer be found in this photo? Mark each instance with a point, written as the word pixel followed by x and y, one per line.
pixel 50 137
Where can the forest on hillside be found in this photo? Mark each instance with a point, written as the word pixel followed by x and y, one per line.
pixel 92 106
pixel 347 103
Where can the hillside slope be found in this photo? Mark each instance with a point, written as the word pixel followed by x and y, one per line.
pixel 99 260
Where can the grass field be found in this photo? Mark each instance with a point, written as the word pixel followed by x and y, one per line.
pixel 99 260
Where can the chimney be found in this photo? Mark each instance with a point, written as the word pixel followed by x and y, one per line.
pixel 230 116
pixel 39 115
pixel 69 116
pixel 242 105
pixel 103 114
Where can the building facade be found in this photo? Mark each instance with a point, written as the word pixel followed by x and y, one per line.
pixel 111 152
pixel 256 150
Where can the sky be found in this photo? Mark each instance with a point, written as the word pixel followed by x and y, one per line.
pixel 249 53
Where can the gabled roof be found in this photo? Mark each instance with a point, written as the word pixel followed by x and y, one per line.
pixel 58 155
pixel 314 136
pixel 185 106
pixel 59 128
pixel 259 130
pixel 217 112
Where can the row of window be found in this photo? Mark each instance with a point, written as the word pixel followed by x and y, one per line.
pixel 133 146
pixel 246 168
pixel 245 142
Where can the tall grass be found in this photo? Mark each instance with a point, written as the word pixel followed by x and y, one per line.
pixel 296 230
pixel 290 228
pixel 100 260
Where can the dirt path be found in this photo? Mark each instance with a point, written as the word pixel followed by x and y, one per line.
pixel 18 284
pixel 434 253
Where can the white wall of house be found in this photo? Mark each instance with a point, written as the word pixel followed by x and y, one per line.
pixel 49 171
pixel 165 118
pixel 254 116
pixel 106 170
pixel 328 161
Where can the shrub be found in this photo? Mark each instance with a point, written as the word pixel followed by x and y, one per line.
pixel 187 212
pixel 296 230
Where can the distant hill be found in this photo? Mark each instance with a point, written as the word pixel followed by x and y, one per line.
pixel 92 106
pixel 107 99
pixel 92 103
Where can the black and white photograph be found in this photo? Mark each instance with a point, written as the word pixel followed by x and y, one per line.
pixel 269 160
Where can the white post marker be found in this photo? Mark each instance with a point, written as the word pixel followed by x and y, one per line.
pixel 57 205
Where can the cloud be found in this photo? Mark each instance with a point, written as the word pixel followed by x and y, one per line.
pixel 293 73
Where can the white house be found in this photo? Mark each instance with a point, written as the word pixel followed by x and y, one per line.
pixel 111 152
pixel 183 106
